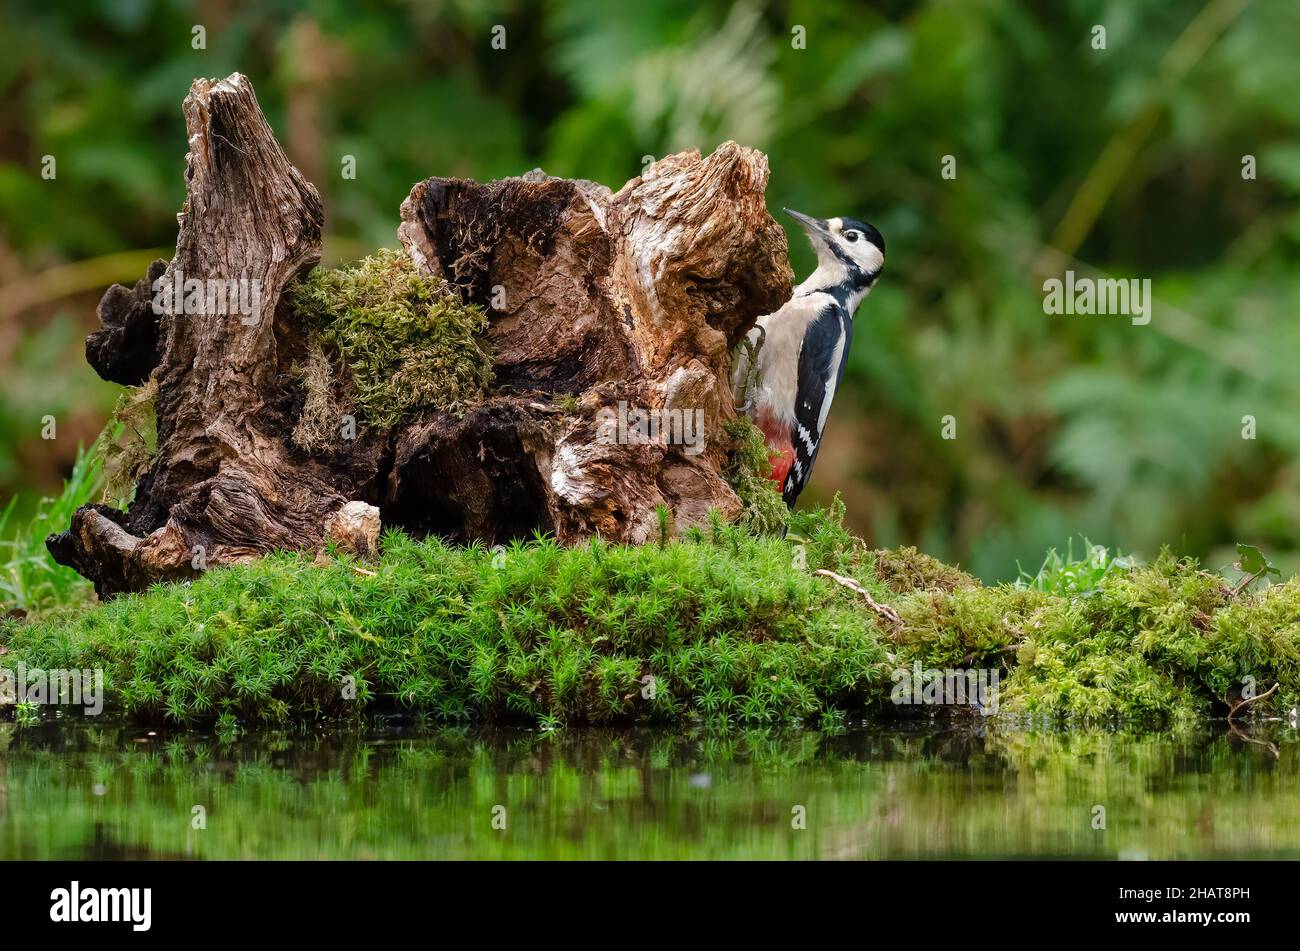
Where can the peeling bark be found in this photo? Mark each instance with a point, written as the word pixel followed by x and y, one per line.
pixel 595 299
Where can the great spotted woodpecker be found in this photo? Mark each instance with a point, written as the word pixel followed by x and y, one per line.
pixel 803 347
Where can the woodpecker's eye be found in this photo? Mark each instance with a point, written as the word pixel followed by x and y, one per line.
pixel 852 235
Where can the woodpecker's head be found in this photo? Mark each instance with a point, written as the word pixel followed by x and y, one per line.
pixel 845 245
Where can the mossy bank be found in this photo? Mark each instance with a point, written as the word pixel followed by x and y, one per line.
pixel 718 624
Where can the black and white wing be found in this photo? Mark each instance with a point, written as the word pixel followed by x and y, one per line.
pixel 821 366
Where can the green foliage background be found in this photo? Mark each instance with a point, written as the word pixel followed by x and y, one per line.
pixel 1127 161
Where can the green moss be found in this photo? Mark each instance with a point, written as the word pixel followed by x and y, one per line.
pixel 716 624
pixel 128 444
pixel 406 341
pixel 324 407
pixel 1159 644
pixel 749 473
pixel 714 627
pixel 906 569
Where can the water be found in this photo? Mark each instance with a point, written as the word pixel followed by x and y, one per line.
pixel 398 790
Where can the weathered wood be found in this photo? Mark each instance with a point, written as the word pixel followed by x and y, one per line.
pixel 224 486
pixel 632 299
pixel 598 302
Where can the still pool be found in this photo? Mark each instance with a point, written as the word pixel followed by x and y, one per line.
pixel 396 789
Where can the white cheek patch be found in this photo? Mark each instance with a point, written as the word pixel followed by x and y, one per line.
pixel 870 257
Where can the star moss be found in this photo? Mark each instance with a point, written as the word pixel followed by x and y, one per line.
pixel 719 624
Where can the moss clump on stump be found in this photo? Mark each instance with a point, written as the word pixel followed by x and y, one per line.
pixel 749 473
pixel 406 341
pixel 128 443
pixel 717 624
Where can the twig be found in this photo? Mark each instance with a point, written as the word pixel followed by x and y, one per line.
pixel 884 610
pixel 1233 712
pixel 362 571
pixel 1245 583
pixel 64 280
pixel 1009 649
pixel 751 349
pixel 1271 747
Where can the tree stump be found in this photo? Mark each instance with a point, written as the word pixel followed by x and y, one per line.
pixel 607 310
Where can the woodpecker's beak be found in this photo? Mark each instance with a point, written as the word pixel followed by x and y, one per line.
pixel 814 226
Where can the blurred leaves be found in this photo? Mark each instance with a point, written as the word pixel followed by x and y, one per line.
pixel 1134 436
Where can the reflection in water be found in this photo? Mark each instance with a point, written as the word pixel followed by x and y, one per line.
pixel 397 790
